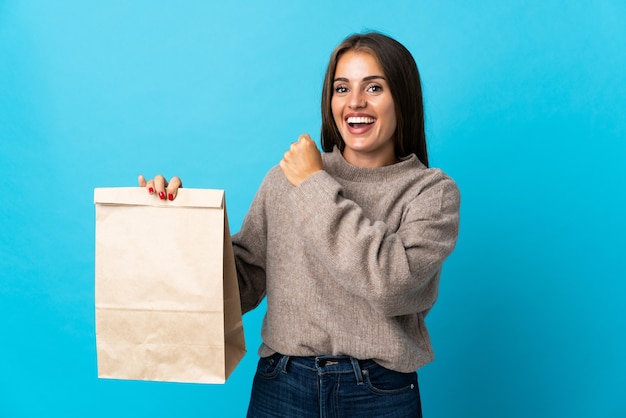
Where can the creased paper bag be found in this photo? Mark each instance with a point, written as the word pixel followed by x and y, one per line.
pixel 167 299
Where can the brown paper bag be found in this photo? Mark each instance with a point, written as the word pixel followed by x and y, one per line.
pixel 167 299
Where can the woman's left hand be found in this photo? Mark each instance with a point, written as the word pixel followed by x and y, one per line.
pixel 302 160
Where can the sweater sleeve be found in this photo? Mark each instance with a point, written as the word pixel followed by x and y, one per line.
pixel 250 247
pixel 395 271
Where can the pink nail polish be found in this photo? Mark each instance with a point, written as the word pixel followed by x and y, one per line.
pixel 161 195
pixel 170 196
pixel 151 190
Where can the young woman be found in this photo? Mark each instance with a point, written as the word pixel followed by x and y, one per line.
pixel 348 246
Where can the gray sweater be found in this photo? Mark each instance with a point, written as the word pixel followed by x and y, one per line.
pixel 350 259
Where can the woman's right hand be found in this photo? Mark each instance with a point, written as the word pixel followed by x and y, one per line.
pixel 160 187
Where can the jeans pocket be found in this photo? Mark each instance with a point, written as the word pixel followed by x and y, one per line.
pixel 382 381
pixel 269 367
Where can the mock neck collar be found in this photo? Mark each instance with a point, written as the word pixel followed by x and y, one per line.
pixel 337 165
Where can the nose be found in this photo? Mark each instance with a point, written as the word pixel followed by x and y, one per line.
pixel 356 100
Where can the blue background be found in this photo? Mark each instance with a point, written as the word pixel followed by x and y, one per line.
pixel 525 109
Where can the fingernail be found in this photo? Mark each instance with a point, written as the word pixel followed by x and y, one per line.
pixel 161 195
pixel 151 190
pixel 170 196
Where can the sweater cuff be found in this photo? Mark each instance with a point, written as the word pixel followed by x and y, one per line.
pixel 317 188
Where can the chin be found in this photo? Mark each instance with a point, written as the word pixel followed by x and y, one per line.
pixel 358 147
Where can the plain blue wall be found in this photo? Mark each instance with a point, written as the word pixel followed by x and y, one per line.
pixel 525 109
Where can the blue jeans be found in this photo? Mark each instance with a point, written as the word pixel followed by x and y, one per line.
pixel 331 387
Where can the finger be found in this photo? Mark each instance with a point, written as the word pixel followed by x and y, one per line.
pixel 159 186
pixel 149 185
pixel 298 145
pixel 172 188
pixel 284 167
pixel 287 154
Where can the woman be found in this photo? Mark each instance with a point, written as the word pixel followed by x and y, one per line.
pixel 348 246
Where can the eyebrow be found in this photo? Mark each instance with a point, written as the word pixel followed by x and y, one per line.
pixel 368 78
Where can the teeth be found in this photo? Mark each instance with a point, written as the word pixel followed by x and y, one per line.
pixel 360 119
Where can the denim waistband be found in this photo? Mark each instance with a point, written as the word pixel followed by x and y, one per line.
pixel 326 364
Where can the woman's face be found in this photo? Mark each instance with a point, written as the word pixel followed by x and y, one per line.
pixel 363 110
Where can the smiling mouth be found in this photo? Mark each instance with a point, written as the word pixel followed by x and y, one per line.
pixel 359 121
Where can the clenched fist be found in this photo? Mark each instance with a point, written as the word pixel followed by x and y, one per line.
pixel 302 160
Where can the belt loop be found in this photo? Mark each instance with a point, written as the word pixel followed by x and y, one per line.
pixel 357 370
pixel 282 364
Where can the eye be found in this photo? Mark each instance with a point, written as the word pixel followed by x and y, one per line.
pixel 340 89
pixel 375 88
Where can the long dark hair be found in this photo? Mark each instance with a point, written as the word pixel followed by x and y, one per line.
pixel 403 77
